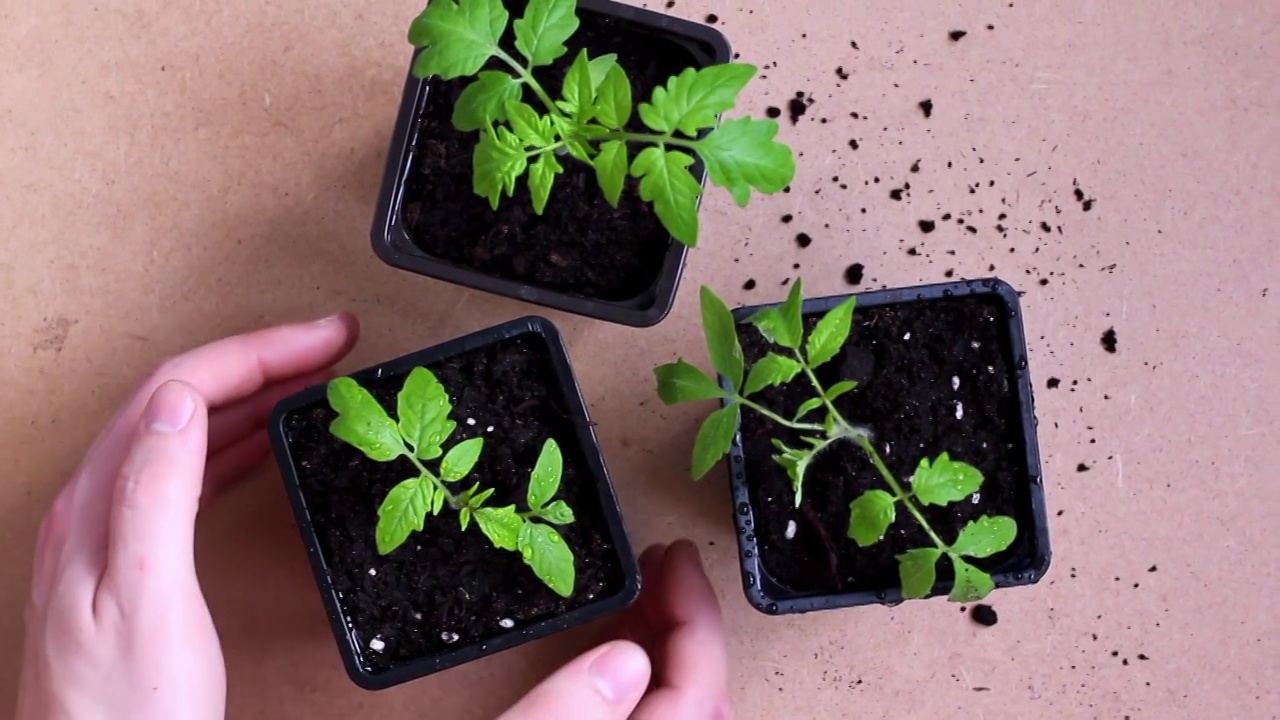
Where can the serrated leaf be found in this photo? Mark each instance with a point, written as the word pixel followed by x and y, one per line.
pixel 458 37
pixel 944 481
pixel 666 182
pixel 782 325
pixel 613 99
pixel 423 408
pixel 714 438
pixel 501 525
pixel 600 68
pixel 460 459
pixel 971 584
pixel 830 334
pixel 544 481
pixel 480 497
pixel 681 382
pixel 362 422
pixel 611 169
pixel 577 91
pixel 839 389
pixel 985 536
pixel 918 571
pixel 530 127
pixel 741 154
pixel 402 512
pixel 870 516
pixel 499 160
pixel 692 100
pixel 772 369
pixel 569 130
pixel 542 176
pixel 558 513
pixel 541 33
pixel 484 101
pixel 546 553
pixel 464 517
pixel 807 407
pixel 795 463
pixel 722 337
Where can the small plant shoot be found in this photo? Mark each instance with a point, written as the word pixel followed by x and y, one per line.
pixel 590 119
pixel 420 434
pixel 940 481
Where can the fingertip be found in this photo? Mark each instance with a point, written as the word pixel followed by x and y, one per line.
pixel 620 672
pixel 171 408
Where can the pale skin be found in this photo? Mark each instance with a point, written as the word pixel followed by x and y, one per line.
pixel 114 586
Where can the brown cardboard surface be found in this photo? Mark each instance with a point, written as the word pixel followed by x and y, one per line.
pixel 176 172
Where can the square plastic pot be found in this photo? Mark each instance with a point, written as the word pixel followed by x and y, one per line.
pixel 393 245
pixel 771 597
pixel 569 394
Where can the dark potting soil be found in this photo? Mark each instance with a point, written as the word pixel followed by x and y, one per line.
pixel 906 359
pixel 443 580
pixel 580 245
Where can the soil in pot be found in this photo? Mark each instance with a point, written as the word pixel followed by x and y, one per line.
pixel 446 587
pixel 932 377
pixel 580 245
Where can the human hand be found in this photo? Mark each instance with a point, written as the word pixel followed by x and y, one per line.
pixel 117 626
pixel 669 662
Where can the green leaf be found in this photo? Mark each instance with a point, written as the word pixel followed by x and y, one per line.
pixel 796 463
pixel 694 99
pixel 437 500
pixel 839 389
pixel 681 382
pixel 531 128
pixel 542 175
pixel 985 536
pixel 600 68
pixel 478 500
pixel 666 182
pixel 972 584
pixel 558 513
pixel 714 438
pixel 577 90
pixel 782 325
pixel 944 481
pixel 741 154
pixel 501 525
pixel 545 478
pixel 541 33
pixel 918 571
pixel 460 459
pixel 772 369
pixel 484 101
pixel 403 511
pixel 870 517
pixel 722 337
pixel 458 37
pixel 423 407
pixel 613 99
pixel 464 517
pixel 550 558
pixel 611 169
pixel 362 422
pixel 498 162
pixel 807 407
pixel 830 334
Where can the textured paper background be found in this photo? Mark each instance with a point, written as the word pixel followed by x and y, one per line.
pixel 179 171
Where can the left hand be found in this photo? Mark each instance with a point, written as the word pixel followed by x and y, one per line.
pixel 117 626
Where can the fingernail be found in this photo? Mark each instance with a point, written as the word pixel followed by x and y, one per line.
pixel 621 671
pixel 170 409
pixel 336 317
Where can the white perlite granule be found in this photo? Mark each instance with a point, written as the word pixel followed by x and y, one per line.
pixel 791 529
pixel 449 637
pixel 471 421
pixel 507 623
pixel 959 411
pixel 376 644
pixel 372 571
pixel 955 382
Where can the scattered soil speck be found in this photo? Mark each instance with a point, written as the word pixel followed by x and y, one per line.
pixel 927 226
pixel 853 143
pixel 915 166
pixel 1053 383
pixel 896 193
pixel 803 240
pixel 841 73
pixel 1109 340
pixel 1045 226
pixel 1153 568
pixel 853 274
pixel 671 4
pixel 854 44
pixel 926 106
pixel 1082 468
pixel 798 106
pixel 955 35
pixel 773 112
pixel 787 218
pixel 750 284
pixel 712 19
pixel 984 615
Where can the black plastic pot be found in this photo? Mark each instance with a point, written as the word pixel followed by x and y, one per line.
pixel 393 245
pixel 1031 556
pixel 293 429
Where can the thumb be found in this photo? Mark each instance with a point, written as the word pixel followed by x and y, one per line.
pixel 603 684
pixel 157 495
